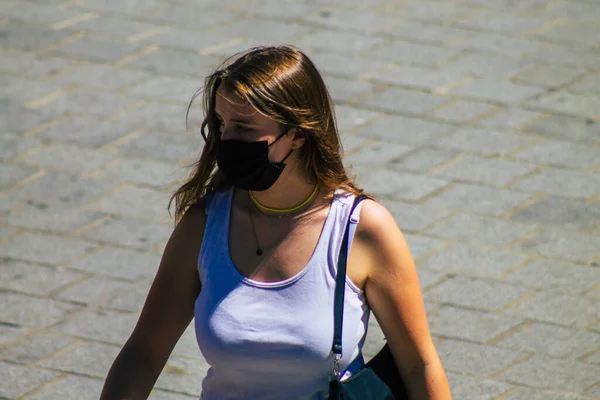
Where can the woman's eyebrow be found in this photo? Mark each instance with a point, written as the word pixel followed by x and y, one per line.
pixel 239 119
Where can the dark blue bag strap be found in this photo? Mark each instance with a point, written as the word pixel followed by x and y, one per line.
pixel 340 285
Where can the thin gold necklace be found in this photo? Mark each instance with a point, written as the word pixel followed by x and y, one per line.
pixel 284 210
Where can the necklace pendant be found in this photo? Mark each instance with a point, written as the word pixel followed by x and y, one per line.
pixel 259 252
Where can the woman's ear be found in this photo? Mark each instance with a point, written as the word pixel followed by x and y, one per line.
pixel 298 138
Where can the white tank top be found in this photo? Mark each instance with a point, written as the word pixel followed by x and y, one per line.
pixel 272 341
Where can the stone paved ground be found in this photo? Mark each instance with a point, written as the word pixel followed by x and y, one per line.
pixel 477 122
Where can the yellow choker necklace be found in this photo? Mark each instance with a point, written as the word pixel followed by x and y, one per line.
pixel 285 210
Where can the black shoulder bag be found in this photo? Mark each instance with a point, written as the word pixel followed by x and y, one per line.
pixel 379 379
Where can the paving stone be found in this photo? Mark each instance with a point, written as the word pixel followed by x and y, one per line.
pixel 498 44
pixel 87 358
pixel 189 63
pixel 85 131
pixel 562 127
pixel 561 182
pixel 508 119
pixel 163 117
pixel 142 172
pixel 567 213
pixel 348 117
pixel 378 153
pixel 502 22
pixel 190 40
pixel 428 278
pixel 594 358
pixel 359 17
pixel 342 90
pixel 43 14
pixel 68 158
pixel 462 111
pixel 91 290
pixel 9 333
pixel 30 311
pixel 13 145
pixel 88 101
pixel 119 263
pixel 412 76
pixel 16 35
pixel 584 11
pixel 424 159
pixel 588 84
pixel 421 245
pixel 399 185
pixel 553 307
pixel 34 279
pixel 187 346
pixel 478 199
pixel 193 15
pixel 71 387
pixel 486 65
pixel 536 394
pixel 567 55
pixel 35 347
pixel 146 204
pixel 12 174
pixel 404 101
pixel 162 147
pixel 424 32
pixel 471 325
pixel 552 340
pixel 488 143
pixel 472 261
pixel 434 11
pixel 118 28
pixel 95 49
pixel 15 117
pixel 19 380
pixel 7 203
pixel 586 106
pixel 482 230
pixel 103 325
pixel 129 7
pixel 167 88
pixel 338 41
pixel 579 32
pixel 404 130
pixel 414 217
pixel 493 172
pixel 496 91
pixel 30 64
pixel 547 373
pixel 130 300
pixel 182 373
pixel 341 64
pixel 562 244
pixel 44 249
pixel 555 275
pixel 561 153
pixel 419 54
pixel 101 76
pixel 475 293
pixel 26 90
pixel 60 189
pixel 475 359
pixel 465 387
pixel 548 75
pixel 130 232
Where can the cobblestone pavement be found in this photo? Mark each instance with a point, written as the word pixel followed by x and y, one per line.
pixel 477 122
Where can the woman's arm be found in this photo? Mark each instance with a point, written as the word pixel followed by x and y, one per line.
pixel 394 295
pixel 167 312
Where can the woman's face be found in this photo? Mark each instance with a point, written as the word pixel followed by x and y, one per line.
pixel 238 120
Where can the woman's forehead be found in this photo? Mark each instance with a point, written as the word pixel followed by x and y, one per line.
pixel 228 103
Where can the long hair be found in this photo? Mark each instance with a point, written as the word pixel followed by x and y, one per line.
pixel 283 84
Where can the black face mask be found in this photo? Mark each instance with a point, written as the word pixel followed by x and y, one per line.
pixel 246 165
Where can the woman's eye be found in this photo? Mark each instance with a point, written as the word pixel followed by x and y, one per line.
pixel 242 128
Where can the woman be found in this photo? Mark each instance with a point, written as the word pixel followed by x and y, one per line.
pixel 253 256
